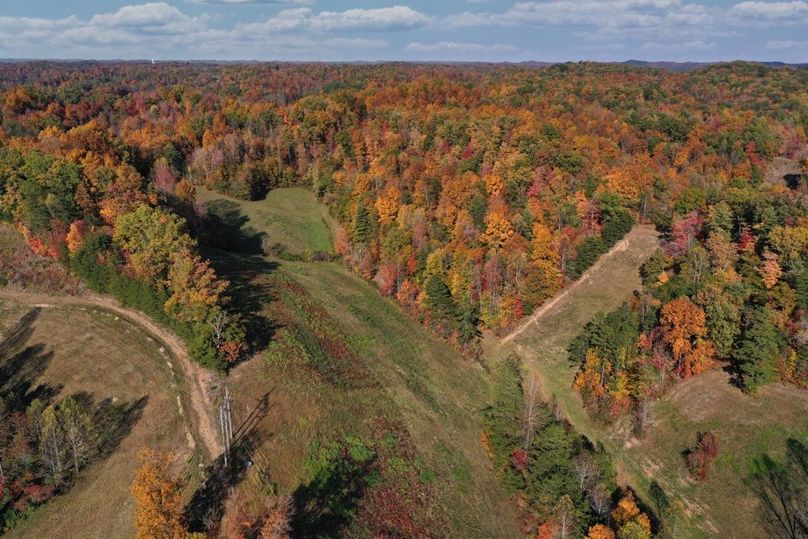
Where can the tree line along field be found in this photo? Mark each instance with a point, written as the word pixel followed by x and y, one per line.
pixel 222 200
pixel 746 426
pixel 346 371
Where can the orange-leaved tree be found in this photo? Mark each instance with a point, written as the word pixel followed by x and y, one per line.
pixel 158 497
pixel 684 328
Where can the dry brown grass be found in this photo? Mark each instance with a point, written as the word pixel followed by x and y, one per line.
pixel 745 427
pixel 95 352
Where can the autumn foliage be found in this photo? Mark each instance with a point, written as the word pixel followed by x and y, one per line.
pixel 700 457
pixel 158 497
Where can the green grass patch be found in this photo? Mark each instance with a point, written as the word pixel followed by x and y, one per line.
pixel 342 361
pixel 290 217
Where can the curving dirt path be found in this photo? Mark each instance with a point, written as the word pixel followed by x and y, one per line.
pixel 197 379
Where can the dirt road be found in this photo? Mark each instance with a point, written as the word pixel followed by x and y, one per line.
pixel 197 379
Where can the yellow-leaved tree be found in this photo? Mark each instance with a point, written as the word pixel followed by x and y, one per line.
pixel 158 498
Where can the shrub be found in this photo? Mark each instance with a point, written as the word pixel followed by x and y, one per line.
pixel 702 455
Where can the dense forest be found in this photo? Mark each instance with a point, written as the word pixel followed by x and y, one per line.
pixel 468 193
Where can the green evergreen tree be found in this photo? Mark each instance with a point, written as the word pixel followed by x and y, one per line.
pixel 361 225
pixel 653 267
pixel 477 208
pixel 503 416
pixel 616 226
pixel 801 289
pixel 720 219
pixel 757 350
pixel 467 319
pixel 439 298
pixel 723 324
pixel 587 253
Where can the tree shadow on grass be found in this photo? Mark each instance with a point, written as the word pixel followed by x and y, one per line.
pixel 225 227
pixel 114 421
pixel 236 253
pixel 21 364
pixel 780 488
pixel 205 510
pixel 326 505
pixel 19 334
pixel 250 293
pixel 735 376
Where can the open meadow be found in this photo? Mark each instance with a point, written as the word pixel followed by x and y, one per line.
pixel 51 351
pixel 345 363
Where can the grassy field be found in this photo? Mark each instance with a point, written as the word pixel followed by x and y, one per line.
pixel 344 362
pixel 76 350
pixel 745 426
pixel 291 217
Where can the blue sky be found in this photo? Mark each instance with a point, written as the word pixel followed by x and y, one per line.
pixel 453 30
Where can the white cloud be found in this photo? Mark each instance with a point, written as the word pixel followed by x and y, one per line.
pixel 129 26
pixel 151 14
pixel 355 43
pixel 600 28
pixel 787 45
pixel 376 19
pixel 772 10
pixel 569 12
pixel 696 45
pixel 693 25
pixel 160 30
pixel 250 2
pixel 154 29
pixel 467 52
pixel 453 46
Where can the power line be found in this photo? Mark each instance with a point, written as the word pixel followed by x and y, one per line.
pixel 226 423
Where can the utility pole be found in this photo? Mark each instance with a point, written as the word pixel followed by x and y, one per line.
pixel 226 423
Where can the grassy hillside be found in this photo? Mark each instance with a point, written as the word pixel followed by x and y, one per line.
pixel 290 217
pixel 745 426
pixel 346 369
pixel 125 377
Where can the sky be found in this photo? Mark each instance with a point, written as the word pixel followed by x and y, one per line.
pixel 416 30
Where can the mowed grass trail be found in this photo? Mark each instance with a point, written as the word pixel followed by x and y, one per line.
pixel 543 342
pixel 344 361
pixel 124 376
pixel 291 217
pixel 745 426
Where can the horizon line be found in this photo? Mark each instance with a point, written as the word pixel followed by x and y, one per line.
pixel 398 61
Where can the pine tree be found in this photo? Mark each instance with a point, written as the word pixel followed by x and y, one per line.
pixel 439 298
pixel 757 351
pixel 723 324
pixel 467 319
pixel 361 225
pixel 503 417
pixel 801 289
